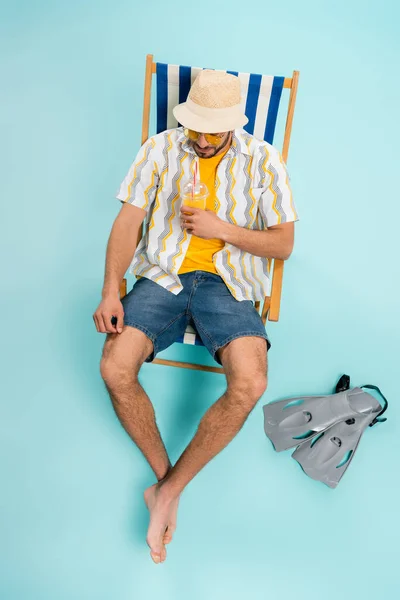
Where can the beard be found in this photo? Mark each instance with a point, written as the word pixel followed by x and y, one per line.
pixel 210 151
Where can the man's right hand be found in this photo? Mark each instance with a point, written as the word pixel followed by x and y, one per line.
pixel 110 306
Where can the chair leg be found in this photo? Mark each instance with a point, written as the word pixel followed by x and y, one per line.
pixel 276 291
pixel 265 309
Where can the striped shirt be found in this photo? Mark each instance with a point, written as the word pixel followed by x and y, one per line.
pixel 252 191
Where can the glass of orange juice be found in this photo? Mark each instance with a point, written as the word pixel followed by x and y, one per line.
pixel 194 194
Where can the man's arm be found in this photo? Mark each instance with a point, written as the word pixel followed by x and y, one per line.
pixel 121 247
pixel 275 242
pixel 138 190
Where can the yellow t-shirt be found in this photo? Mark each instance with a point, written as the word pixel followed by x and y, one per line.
pixel 200 253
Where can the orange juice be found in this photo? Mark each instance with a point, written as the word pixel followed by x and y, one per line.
pixel 194 196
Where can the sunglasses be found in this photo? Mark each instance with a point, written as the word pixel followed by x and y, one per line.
pixel 211 138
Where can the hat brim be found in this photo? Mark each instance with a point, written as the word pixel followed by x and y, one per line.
pixel 209 120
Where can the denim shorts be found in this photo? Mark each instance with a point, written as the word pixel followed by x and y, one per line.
pixel 205 302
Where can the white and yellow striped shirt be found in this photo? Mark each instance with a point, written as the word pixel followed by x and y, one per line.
pixel 252 191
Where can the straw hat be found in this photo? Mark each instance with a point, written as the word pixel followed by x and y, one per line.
pixel 213 104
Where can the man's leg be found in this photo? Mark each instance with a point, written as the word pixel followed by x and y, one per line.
pixel 245 364
pixel 123 355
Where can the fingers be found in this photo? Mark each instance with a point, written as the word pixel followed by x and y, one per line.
pixel 98 319
pixel 109 316
pixel 109 327
pixel 189 228
pixel 108 323
pixel 119 321
pixel 188 217
pixel 187 223
pixel 96 322
pixel 105 323
pixel 189 210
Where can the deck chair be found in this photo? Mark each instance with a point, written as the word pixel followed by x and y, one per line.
pixel 261 96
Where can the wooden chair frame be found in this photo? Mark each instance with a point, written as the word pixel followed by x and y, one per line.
pixel 271 306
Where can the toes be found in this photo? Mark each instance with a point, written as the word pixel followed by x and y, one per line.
pixel 156 557
pixel 159 557
pixel 167 539
pixel 157 550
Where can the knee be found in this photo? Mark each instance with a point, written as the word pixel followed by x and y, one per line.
pixel 248 390
pixel 116 376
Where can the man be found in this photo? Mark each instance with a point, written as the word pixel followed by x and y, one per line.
pixel 207 267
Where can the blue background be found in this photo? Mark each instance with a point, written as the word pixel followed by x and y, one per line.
pixel 251 525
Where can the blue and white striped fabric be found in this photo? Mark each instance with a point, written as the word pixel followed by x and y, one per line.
pixel 261 95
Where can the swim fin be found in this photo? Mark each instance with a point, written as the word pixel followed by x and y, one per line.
pixel 326 429
pixel 291 422
pixel 327 456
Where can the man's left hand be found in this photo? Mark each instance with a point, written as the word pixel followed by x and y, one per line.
pixel 202 223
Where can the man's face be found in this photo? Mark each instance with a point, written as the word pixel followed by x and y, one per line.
pixel 204 149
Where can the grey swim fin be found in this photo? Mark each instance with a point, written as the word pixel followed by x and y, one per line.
pixel 291 422
pixel 328 455
pixel 327 429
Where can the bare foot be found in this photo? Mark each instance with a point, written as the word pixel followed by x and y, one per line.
pixel 162 510
pixel 167 539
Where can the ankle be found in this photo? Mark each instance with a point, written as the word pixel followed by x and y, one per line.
pixel 161 475
pixel 167 490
